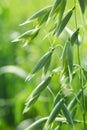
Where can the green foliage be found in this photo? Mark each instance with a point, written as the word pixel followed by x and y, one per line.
pixel 63 23
pixel 36 93
pixel 56 13
pixel 40 16
pixel 54 112
pixel 37 125
pixel 67 115
pixel 82 5
pixel 43 62
pixel 56 84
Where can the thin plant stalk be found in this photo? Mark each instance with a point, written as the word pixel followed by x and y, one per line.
pixel 80 73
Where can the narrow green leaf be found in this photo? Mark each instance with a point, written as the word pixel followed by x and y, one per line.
pixel 63 5
pixel 45 18
pixel 28 35
pixel 47 64
pixel 70 57
pixel 55 7
pixel 67 114
pixel 73 112
pixel 67 56
pixel 74 101
pixel 36 93
pixel 38 15
pixel 54 112
pixel 42 62
pixel 74 37
pixel 82 4
pixel 63 23
pixel 57 98
pixel 42 86
pixel 37 125
pixel 30 102
pixel 64 55
pixel 85 72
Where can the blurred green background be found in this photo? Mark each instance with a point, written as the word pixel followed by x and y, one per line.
pixel 18 60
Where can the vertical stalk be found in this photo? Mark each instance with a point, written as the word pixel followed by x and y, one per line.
pixel 80 73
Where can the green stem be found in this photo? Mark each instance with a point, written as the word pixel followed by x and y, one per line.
pixel 81 83
pixel 80 73
pixel 49 89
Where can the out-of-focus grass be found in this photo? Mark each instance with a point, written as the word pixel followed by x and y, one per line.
pixel 13 89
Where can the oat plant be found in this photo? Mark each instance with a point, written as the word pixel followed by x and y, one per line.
pixel 68 102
